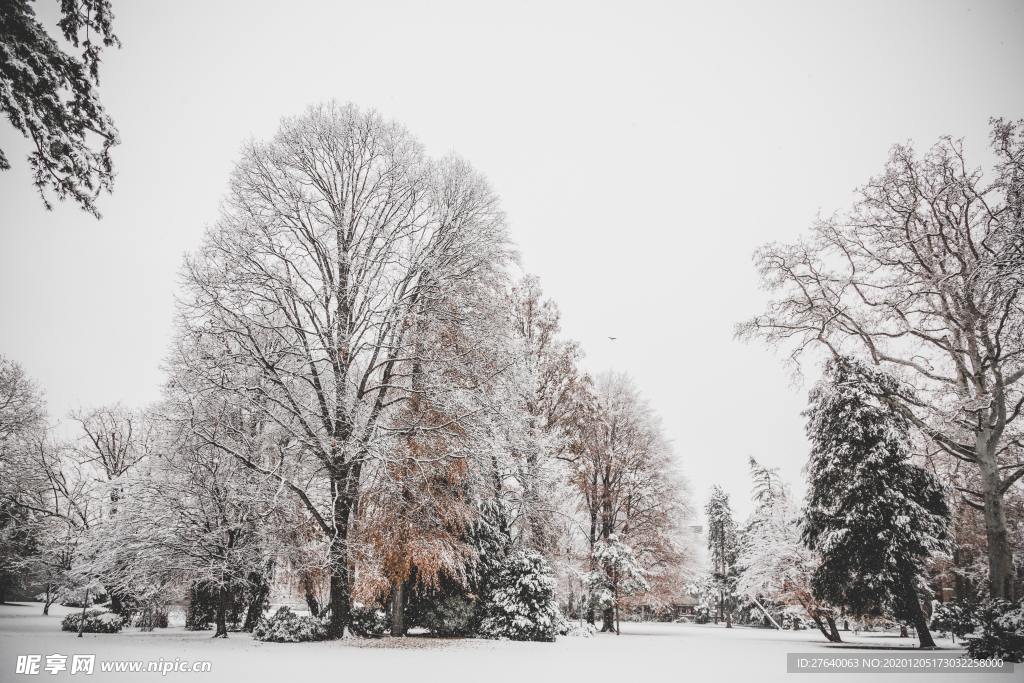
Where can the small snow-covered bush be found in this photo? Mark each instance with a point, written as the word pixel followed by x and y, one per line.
pixel 368 622
pixel 1000 631
pixel 956 618
pixel 285 626
pixel 521 605
pixel 96 621
pixel 574 629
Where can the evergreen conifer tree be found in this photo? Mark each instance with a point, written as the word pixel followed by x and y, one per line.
pixel 874 516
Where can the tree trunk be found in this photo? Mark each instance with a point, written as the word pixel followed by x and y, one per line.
pixel 398 609
pixel 832 629
pixel 1000 557
pixel 615 595
pixel 608 620
pixel 3 589
pixel 46 600
pixel 222 610
pixel 821 627
pixel 81 621
pixel 916 614
pixel 591 618
pixel 341 597
pixel 830 633
pixel 255 609
pixel 312 605
pixel 116 604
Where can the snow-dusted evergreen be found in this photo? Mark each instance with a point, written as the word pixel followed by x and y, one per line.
pixel 722 540
pixel 874 516
pixel 521 602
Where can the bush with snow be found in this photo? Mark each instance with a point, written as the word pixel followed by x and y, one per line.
pixel 575 629
pixel 1000 631
pixel 955 618
pixel 285 626
pixel 96 621
pixel 522 605
pixel 368 622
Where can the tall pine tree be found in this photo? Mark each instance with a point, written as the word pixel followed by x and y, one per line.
pixel 722 544
pixel 874 516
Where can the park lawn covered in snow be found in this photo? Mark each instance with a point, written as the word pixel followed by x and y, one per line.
pixel 649 652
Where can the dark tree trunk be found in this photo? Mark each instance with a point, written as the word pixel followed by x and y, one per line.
pixel 255 609
pixel 916 614
pixel 398 609
pixel 3 589
pixel 821 627
pixel 831 621
pixel 830 633
pixel 591 617
pixel 608 620
pixel 312 605
pixel 341 599
pixel 116 604
pixel 81 621
pixel 615 594
pixel 341 604
pixel 223 597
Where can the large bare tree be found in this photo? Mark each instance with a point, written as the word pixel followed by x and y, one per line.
pixel 924 276
pixel 338 238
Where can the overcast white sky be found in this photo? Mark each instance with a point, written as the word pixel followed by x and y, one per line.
pixel 643 150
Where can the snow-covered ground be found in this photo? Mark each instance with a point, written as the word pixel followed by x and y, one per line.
pixel 647 652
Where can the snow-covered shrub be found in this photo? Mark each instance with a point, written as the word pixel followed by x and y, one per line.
pixel 285 626
pixel 1000 631
pixel 451 615
pixel 956 618
pixel 96 621
pixel 575 629
pixel 522 605
pixel 368 622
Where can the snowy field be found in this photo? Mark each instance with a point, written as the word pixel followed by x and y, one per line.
pixel 651 652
